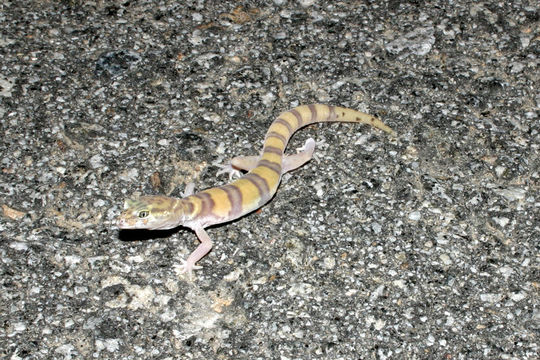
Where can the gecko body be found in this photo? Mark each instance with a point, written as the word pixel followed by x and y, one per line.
pixel 244 195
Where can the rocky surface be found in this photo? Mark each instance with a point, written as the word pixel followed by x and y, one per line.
pixel 423 246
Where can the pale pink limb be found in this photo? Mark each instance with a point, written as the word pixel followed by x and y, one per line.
pixel 189 190
pixel 204 247
pixel 292 162
pixel 237 163
pixel 245 163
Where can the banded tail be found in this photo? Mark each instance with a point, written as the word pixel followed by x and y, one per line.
pixel 260 183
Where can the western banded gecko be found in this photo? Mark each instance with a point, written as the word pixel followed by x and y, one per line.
pixel 242 196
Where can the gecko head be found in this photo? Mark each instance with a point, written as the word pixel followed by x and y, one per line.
pixel 149 212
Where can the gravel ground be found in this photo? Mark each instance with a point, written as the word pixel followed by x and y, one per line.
pixel 425 246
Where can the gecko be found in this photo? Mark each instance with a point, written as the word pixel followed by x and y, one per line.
pixel 251 191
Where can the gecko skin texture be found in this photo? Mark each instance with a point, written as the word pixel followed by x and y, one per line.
pixel 244 195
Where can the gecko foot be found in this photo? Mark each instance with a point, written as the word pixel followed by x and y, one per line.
pixel 228 169
pixel 186 268
pixel 308 147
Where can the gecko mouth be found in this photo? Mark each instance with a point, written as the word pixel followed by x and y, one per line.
pixel 123 223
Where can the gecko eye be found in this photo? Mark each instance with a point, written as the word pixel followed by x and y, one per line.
pixel 143 214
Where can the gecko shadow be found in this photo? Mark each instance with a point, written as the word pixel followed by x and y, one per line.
pixel 144 234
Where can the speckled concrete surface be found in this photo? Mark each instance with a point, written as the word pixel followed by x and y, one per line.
pixel 420 247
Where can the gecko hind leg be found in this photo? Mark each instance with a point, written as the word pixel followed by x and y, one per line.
pixel 292 162
pixel 244 163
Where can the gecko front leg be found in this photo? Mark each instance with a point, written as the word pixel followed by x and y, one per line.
pixel 204 247
pixel 189 189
